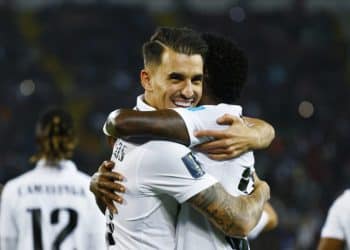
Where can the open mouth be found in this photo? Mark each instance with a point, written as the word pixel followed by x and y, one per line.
pixel 184 103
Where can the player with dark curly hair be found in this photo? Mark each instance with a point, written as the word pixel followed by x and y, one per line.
pixel 225 69
pixel 50 207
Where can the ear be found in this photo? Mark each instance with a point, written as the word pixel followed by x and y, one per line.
pixel 145 77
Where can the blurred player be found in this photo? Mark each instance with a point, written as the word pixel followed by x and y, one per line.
pixel 161 174
pixel 227 69
pixel 335 233
pixel 50 207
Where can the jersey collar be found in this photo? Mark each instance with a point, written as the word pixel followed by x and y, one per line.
pixel 141 105
pixel 61 165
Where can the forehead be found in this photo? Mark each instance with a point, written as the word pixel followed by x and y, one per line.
pixel 181 63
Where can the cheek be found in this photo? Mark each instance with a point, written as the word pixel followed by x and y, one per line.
pixel 198 90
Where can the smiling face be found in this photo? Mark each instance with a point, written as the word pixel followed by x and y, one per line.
pixel 176 82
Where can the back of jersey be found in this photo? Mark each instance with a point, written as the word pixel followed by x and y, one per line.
pixel 51 208
pixel 193 230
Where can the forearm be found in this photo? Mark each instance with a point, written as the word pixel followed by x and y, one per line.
pixel 234 216
pixel 139 126
pixel 264 131
pixel 331 243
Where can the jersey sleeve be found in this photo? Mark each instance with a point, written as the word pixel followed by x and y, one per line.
pixel 170 168
pixel 264 219
pixel 8 227
pixel 333 227
pixel 204 117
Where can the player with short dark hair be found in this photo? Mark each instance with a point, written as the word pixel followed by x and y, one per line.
pixel 50 207
pixel 166 154
pixel 167 124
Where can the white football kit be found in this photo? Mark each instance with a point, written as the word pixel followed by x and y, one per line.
pixel 51 208
pixel 159 176
pixel 194 231
pixel 337 224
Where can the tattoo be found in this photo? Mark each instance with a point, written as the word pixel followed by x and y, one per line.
pixel 235 216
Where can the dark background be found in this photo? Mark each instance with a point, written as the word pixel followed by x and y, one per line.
pixel 86 56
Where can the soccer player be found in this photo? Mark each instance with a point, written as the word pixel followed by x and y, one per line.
pixel 335 233
pixel 235 175
pixel 158 170
pixel 50 207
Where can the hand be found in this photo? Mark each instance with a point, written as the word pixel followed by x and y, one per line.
pixel 104 187
pixel 231 142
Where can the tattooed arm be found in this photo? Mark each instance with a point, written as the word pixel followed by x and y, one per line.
pixel 234 216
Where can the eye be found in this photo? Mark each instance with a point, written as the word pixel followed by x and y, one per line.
pixel 197 80
pixel 174 77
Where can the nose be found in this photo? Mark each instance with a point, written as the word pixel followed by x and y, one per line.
pixel 187 90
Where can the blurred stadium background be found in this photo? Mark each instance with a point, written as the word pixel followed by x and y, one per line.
pixel 86 56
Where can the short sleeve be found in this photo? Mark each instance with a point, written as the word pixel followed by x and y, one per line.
pixel 204 117
pixel 170 168
pixel 264 219
pixel 8 228
pixel 333 226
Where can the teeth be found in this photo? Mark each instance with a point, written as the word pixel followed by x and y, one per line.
pixel 183 104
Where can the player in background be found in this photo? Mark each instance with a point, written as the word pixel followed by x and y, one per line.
pixel 235 175
pixel 51 207
pixel 335 233
pixel 162 174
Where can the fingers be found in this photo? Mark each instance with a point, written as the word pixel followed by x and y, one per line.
pixel 208 146
pixel 106 166
pixel 110 205
pixel 112 186
pixel 112 176
pixel 228 119
pixel 110 196
pixel 216 134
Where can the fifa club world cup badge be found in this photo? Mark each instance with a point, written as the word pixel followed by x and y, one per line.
pixel 193 165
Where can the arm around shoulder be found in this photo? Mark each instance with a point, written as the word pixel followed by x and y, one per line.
pixel 265 132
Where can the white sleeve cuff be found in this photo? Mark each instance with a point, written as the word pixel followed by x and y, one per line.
pixel 192 126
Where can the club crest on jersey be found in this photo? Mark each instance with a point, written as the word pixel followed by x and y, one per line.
pixel 193 165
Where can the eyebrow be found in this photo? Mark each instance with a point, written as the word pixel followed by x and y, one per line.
pixel 198 77
pixel 176 75
pixel 181 76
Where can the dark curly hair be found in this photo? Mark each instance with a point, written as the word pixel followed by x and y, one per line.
pixel 226 68
pixel 55 136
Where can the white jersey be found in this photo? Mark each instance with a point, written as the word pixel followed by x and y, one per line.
pixel 51 207
pixel 337 224
pixel 159 176
pixel 194 231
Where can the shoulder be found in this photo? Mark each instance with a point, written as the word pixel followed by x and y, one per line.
pixel 343 201
pixel 165 147
pixel 19 180
pixel 233 109
pixel 247 159
pixel 81 176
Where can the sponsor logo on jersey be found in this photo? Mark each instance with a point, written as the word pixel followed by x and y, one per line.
pixel 193 165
